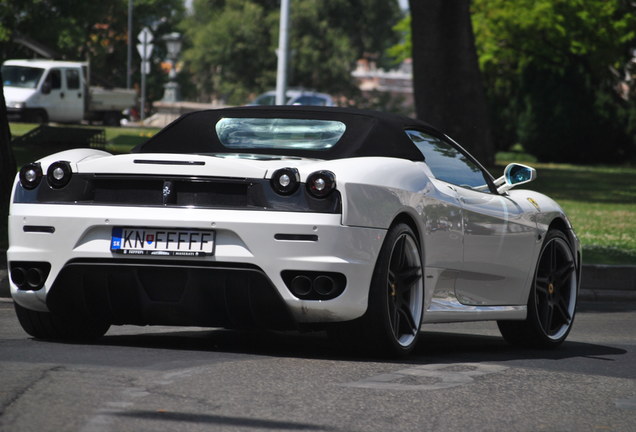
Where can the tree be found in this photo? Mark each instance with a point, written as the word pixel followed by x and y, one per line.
pixel 7 162
pixel 232 44
pixel 85 30
pixel 558 78
pixel 447 82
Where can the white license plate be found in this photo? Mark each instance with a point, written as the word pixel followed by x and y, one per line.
pixel 162 241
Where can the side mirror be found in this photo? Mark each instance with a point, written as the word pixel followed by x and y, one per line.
pixel 514 175
pixel 46 87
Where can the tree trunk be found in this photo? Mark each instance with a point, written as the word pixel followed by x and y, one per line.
pixel 7 164
pixel 447 82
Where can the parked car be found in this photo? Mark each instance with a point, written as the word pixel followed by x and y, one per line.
pixel 361 223
pixel 295 97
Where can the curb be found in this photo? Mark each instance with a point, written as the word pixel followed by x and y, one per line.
pixel 608 283
pixel 599 283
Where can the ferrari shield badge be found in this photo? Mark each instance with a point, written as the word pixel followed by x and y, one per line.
pixel 534 203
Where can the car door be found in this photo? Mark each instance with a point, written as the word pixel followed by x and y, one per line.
pixel 499 244
pixel 52 94
pixel 497 241
pixel 444 230
pixel 62 95
pixel 73 99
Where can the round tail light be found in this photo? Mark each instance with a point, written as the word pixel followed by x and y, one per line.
pixel 59 174
pixel 30 175
pixel 285 181
pixel 321 183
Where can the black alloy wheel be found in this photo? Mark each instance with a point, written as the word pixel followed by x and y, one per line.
pixel 391 325
pixel 404 290
pixel 552 301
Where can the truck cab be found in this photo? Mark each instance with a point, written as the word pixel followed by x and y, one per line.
pixel 40 91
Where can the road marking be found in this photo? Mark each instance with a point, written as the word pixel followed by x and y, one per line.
pixel 103 417
pixel 629 404
pixel 428 377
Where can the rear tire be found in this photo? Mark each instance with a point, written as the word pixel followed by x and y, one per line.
pixel 111 118
pixel 391 325
pixel 45 325
pixel 552 300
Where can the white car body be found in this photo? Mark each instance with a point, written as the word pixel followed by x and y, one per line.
pixel 479 250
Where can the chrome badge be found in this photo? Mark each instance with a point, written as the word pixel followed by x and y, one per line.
pixel 166 192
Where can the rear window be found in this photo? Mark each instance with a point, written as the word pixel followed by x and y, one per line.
pixel 279 133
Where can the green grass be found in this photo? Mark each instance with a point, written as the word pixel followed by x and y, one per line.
pixel 118 139
pixel 600 202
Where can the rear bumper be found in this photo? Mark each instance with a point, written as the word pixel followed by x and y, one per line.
pixel 249 261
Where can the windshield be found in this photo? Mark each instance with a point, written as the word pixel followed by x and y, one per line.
pixel 21 76
pixel 279 133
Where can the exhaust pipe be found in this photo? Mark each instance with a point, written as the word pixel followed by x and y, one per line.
pixel 301 286
pixel 18 276
pixel 34 278
pixel 324 285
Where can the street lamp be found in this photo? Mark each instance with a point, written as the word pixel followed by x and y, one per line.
pixel 173 45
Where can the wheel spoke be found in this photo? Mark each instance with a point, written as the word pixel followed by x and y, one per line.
pixel 562 309
pixel 396 321
pixel 547 314
pixel 553 257
pixel 410 321
pixel 409 277
pixel 542 286
pixel 562 275
pixel 399 252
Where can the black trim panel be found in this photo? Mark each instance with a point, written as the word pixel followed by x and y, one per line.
pixel 177 191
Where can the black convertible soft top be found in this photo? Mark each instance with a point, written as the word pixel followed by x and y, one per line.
pixel 368 133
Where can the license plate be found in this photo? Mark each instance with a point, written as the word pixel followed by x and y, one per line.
pixel 162 241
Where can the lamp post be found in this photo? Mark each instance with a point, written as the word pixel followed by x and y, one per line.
pixel 173 45
pixel 283 47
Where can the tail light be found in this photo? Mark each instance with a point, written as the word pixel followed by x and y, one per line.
pixel 321 183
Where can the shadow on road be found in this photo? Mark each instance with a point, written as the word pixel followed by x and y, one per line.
pixel 437 347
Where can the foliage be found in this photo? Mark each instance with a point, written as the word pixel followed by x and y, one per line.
pixel 232 44
pixel 404 49
pixel 230 47
pixel 7 163
pixel 94 31
pixel 555 73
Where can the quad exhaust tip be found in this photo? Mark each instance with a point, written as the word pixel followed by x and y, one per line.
pixel 314 285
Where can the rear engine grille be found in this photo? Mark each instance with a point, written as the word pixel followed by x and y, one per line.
pixel 187 192
pixel 175 192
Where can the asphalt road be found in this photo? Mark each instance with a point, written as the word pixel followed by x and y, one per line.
pixel 462 377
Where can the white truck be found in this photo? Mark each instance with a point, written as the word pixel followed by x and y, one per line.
pixel 40 91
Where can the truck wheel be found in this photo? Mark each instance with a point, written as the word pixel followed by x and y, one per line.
pixel 38 117
pixel 111 118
